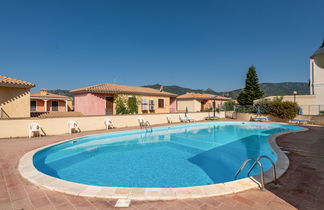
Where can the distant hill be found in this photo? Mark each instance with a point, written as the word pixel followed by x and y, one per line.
pixel 61 92
pixel 270 89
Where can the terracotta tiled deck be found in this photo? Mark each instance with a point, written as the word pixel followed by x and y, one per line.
pixel 17 193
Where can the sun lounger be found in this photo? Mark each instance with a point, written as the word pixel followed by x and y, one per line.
pixel 259 118
pixel 183 118
pixel 301 122
pixel 109 124
pixel 190 119
pixel 212 118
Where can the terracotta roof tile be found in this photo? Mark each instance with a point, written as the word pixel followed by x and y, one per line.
pixel 201 96
pixel 121 89
pixel 47 95
pixel 10 82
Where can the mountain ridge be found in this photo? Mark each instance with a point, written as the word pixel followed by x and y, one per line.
pixel 270 89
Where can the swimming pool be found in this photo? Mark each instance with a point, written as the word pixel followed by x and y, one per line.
pixel 169 157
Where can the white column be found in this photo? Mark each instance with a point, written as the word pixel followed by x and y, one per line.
pixel 45 105
pixel 66 105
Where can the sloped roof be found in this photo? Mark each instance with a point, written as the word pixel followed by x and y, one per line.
pixel 47 95
pixel 319 51
pixel 202 96
pixel 10 82
pixel 122 89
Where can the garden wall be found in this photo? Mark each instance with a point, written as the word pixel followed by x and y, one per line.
pixel 54 126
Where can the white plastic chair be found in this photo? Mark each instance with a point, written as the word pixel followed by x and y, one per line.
pixel 34 128
pixel 109 124
pixel 141 121
pixel 73 126
pixel 169 119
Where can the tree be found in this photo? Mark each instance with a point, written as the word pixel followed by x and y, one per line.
pixel 252 89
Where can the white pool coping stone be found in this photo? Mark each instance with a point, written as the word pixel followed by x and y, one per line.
pixel 29 172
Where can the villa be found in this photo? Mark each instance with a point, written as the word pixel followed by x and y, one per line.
pixel 313 103
pixel 48 102
pixel 196 102
pixel 14 97
pixel 101 99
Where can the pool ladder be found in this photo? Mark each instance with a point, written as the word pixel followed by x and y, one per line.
pixel 257 161
pixel 148 127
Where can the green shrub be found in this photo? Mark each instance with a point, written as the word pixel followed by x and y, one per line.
pixel 263 105
pixel 228 106
pixel 283 109
pixel 126 105
pixel 132 104
pixel 121 107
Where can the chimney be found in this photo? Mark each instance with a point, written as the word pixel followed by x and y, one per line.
pixel 43 91
pixel 161 88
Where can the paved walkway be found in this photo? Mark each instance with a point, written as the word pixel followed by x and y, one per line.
pixel 17 193
pixel 303 184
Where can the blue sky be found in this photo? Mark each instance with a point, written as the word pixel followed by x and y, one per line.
pixel 196 44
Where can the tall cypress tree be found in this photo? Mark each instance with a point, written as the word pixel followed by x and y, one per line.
pixel 252 89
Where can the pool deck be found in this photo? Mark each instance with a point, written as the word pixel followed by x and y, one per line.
pixel 19 193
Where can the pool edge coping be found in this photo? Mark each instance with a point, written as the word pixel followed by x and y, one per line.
pixel 29 172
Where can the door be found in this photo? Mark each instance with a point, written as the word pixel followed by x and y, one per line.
pixel 109 105
pixel 54 106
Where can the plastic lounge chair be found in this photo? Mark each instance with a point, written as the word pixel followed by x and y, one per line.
pixel 109 124
pixel 301 122
pixel 34 128
pixel 212 118
pixel 190 119
pixel 183 118
pixel 73 126
pixel 169 119
pixel 259 118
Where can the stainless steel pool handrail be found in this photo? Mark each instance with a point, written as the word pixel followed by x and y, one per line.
pixel 274 173
pixel 257 161
pixel 148 127
pixel 261 168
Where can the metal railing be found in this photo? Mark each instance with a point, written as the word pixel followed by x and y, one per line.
pixel 257 161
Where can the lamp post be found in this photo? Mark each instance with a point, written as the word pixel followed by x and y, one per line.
pixel 295 93
pixel 214 106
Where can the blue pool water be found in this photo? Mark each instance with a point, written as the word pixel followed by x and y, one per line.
pixel 176 156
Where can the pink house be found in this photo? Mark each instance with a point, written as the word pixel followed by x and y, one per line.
pixel 100 99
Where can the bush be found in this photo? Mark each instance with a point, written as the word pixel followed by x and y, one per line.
pixel 283 109
pixel 126 105
pixel 228 106
pixel 263 105
pixel 132 104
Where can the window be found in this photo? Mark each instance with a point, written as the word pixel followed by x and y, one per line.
pixel 33 106
pixel 55 106
pixel 161 103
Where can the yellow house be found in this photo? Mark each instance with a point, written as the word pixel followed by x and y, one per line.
pixel 101 99
pixel 196 102
pixel 14 98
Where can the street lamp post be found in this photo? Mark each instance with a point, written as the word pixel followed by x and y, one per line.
pixel 295 93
